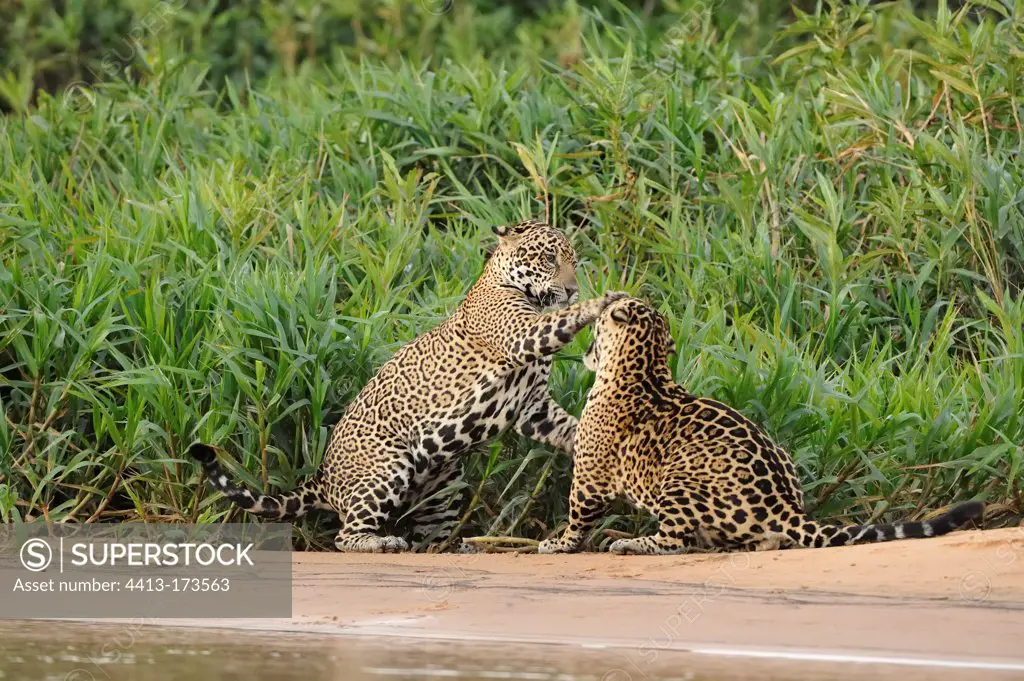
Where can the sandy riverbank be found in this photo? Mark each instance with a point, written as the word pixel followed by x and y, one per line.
pixel 959 596
pixel 949 607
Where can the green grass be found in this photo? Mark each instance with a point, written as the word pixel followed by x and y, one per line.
pixel 830 214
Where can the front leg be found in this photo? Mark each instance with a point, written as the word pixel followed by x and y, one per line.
pixel 544 421
pixel 587 500
pixel 528 338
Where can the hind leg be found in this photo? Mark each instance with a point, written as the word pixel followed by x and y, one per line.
pixel 434 519
pixel 372 500
pixel 679 530
pixel 771 541
pixel 670 539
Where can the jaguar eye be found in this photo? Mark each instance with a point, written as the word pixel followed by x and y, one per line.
pixel 552 259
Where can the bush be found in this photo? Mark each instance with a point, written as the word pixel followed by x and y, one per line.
pixel 830 215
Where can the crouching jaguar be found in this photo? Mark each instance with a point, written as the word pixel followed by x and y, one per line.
pixel 457 386
pixel 711 476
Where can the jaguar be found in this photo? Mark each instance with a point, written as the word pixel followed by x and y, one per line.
pixel 399 445
pixel 714 480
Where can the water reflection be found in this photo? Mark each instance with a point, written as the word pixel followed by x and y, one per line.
pixel 136 651
pixel 140 651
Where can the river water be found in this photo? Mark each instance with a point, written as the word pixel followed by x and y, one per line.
pixel 79 651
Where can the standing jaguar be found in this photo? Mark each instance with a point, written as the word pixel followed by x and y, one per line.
pixel 457 386
pixel 710 475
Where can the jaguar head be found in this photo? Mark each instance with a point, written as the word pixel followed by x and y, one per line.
pixel 630 330
pixel 538 260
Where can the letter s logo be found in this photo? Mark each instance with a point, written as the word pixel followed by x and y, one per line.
pixel 36 555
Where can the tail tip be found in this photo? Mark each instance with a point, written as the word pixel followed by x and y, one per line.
pixel 204 454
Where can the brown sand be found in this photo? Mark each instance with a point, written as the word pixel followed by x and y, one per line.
pixel 949 607
pixel 959 597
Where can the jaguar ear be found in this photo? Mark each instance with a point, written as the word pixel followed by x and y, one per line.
pixel 623 315
pixel 517 230
pixel 666 331
pixel 663 322
pixel 525 226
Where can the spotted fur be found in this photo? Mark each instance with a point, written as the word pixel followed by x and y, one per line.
pixel 398 446
pixel 714 480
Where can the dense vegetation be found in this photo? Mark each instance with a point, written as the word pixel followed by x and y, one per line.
pixel 218 227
